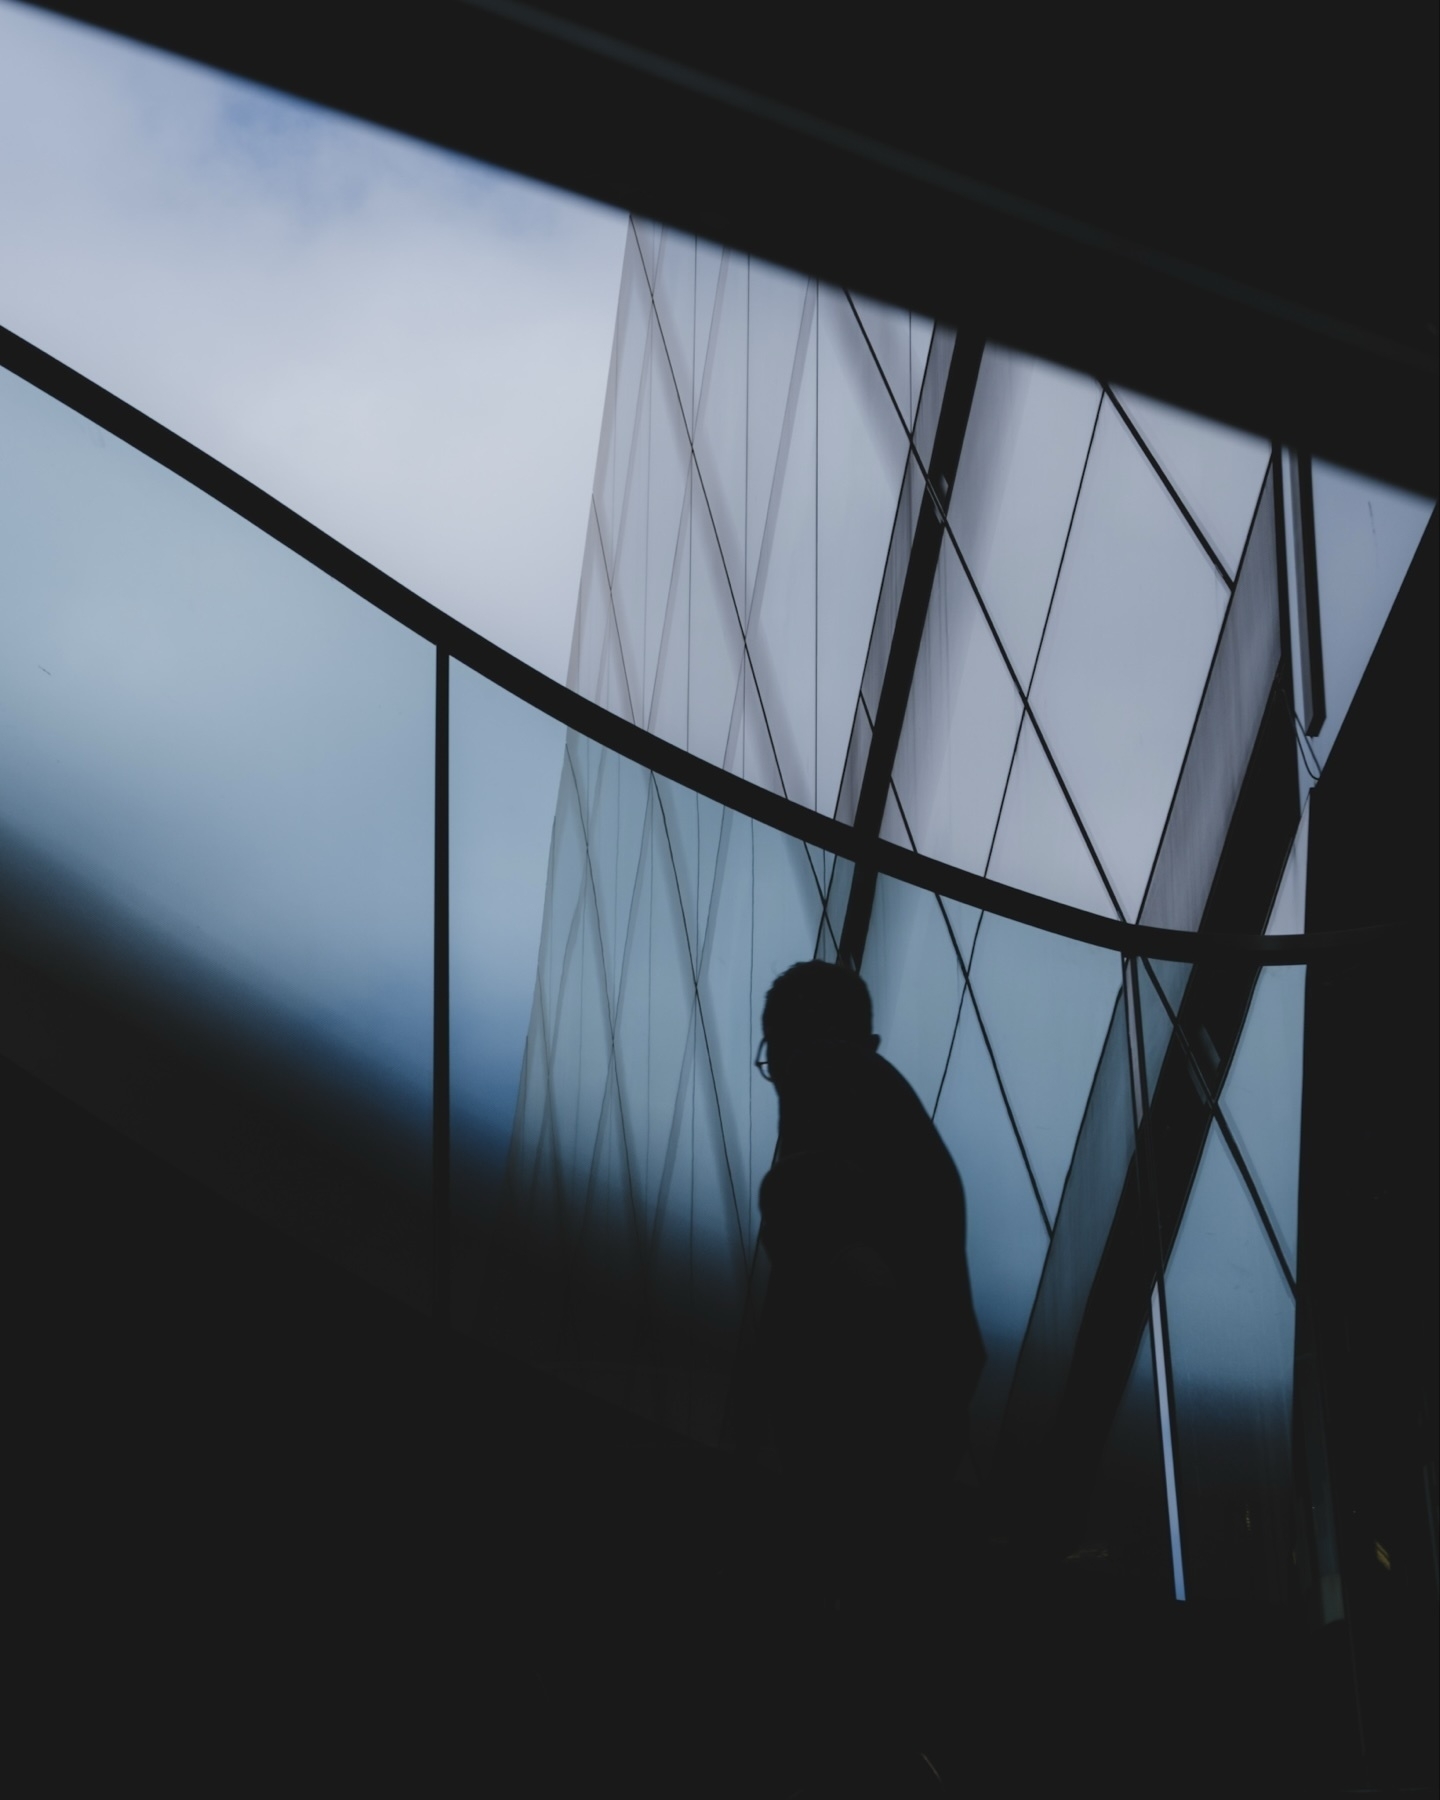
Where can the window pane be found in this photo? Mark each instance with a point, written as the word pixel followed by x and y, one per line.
pixel 1365 536
pixel 1218 756
pixel 1232 1334
pixel 1157 979
pixel 861 448
pixel 643 1128
pixel 1102 1165
pixel 1215 469
pixel 1025 447
pixel 1038 845
pixel 914 978
pixel 678 297
pixel 615 462
pixel 781 622
pixel 1134 625
pixel 891 333
pixel 722 417
pixel 1006 1239
pixel 216 809
pixel 1046 1003
pixel 1261 1096
pixel 960 726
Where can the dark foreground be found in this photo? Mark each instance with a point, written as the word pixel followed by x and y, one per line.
pixel 272 1534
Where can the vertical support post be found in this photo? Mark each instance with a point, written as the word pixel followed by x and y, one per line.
pixel 1289 633
pixel 1310 697
pixel 440 1060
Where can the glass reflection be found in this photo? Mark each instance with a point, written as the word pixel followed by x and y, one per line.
pixel 216 813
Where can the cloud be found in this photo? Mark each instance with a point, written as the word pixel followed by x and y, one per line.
pixel 407 347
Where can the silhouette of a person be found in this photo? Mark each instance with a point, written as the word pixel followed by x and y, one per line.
pixel 869 1349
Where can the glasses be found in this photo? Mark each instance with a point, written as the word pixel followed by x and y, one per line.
pixel 763 1064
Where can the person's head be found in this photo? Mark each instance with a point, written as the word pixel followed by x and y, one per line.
pixel 813 1012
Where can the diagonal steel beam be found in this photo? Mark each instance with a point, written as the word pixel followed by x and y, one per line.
pixel 954 368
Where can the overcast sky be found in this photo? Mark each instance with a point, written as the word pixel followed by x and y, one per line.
pixel 407 347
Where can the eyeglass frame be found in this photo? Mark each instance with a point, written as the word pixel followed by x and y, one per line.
pixel 762 1062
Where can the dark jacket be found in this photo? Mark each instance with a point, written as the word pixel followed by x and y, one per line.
pixel 870 1350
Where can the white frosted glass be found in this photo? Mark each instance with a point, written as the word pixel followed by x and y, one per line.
pixel 1134 626
pixel 626 598
pixel 675 307
pixel 960 726
pixel 861 448
pixel 1020 467
pixel 1216 470
pixel 1262 1093
pixel 781 630
pixel 922 334
pixel 648 238
pixel 628 356
pixel 711 696
pixel 668 710
pixel 663 584
pixel 592 617
pixel 779 315
pixel 709 261
pixel 1046 1003
pixel 722 418
pixel 889 332
pixel 1006 1240
pixel 754 755
pixel 1365 536
pixel 1038 845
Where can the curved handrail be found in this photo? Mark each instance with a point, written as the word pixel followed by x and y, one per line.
pixel 466 646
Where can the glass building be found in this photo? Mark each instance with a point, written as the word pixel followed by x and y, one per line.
pixel 1046 705
pixel 1007 687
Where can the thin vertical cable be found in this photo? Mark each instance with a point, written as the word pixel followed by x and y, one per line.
pixel 1307 610
pixel 815 683
pixel 440 1060
pixel 1160 1354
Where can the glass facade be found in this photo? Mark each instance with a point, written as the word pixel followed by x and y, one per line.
pixel 223 863
pixel 216 836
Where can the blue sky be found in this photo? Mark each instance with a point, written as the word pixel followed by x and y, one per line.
pixel 407 347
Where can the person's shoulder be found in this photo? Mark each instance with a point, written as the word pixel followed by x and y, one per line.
pixel 896 1091
pixel 908 1123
